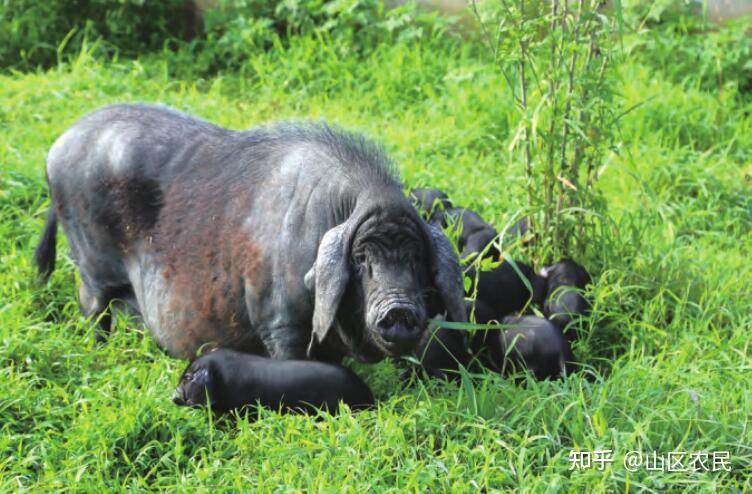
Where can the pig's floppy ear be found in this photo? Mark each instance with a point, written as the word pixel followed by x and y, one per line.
pixel 203 386
pixel 447 275
pixel 328 279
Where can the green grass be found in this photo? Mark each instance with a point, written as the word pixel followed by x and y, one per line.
pixel 668 345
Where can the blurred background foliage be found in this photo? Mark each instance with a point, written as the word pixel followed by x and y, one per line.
pixel 36 33
pixel 220 35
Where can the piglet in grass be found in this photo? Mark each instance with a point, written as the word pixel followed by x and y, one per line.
pixel 527 342
pixel 474 233
pixel 228 380
pixel 505 290
pixel 429 200
pixel 441 352
pixel 564 302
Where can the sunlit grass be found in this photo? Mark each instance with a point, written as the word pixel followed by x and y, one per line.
pixel 672 305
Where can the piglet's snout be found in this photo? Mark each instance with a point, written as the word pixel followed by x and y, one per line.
pixel 178 399
pixel 400 327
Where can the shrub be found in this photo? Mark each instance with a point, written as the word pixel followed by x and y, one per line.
pixel 675 37
pixel 557 64
pixel 690 52
pixel 34 32
pixel 236 28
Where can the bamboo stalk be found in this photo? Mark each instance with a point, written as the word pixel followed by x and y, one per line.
pixel 548 178
pixel 523 104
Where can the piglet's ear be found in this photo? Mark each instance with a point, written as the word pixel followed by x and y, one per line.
pixel 447 275
pixel 328 277
pixel 203 387
pixel 202 377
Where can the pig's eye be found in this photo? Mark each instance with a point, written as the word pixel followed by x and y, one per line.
pixel 359 259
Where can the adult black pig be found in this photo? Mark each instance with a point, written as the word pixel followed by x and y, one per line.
pixel 290 241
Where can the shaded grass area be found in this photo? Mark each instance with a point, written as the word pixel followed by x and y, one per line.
pixel 667 346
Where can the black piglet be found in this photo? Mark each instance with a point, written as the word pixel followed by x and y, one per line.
pixel 564 302
pixel 228 380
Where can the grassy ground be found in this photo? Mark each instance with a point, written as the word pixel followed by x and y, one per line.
pixel 668 342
